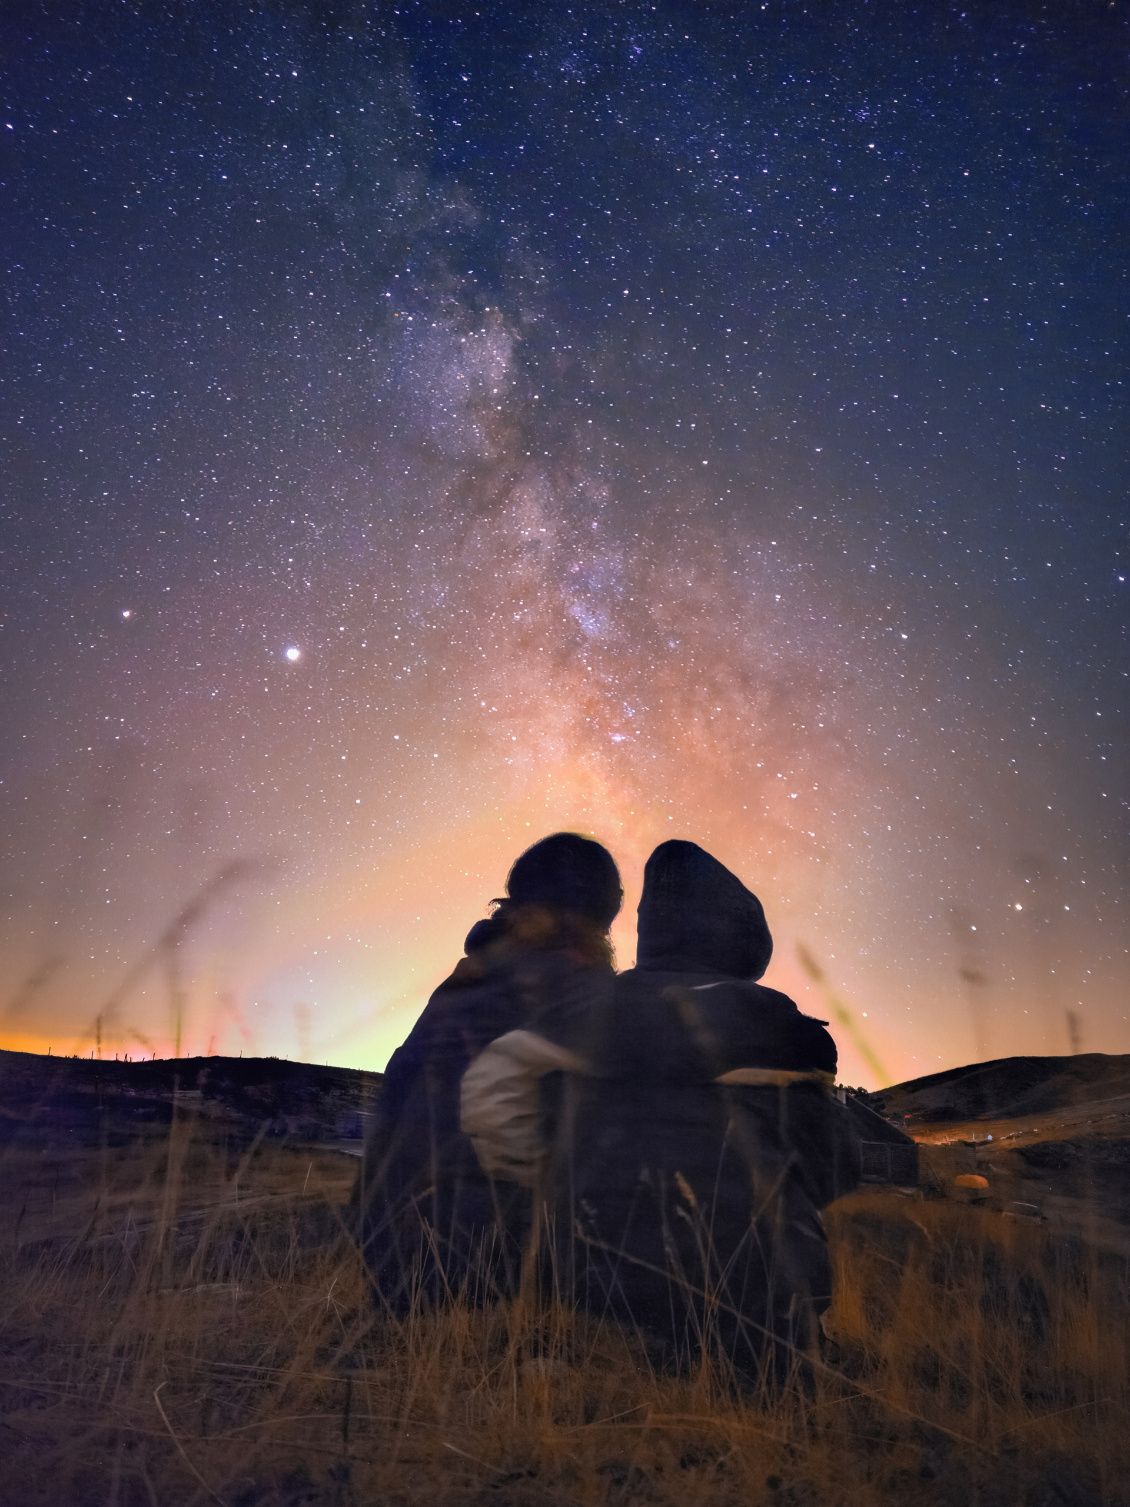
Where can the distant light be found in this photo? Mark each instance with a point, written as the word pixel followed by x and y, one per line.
pixel 1017 906
pixel 126 612
pixel 292 654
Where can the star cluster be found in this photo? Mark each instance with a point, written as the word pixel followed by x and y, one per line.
pixel 427 427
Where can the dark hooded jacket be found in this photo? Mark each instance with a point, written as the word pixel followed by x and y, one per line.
pixel 431 1221
pixel 690 1165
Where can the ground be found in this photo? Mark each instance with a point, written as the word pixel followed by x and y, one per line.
pixel 185 1320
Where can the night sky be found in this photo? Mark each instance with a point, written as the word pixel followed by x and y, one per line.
pixel 428 427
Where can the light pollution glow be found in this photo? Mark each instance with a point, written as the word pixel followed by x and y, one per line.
pixel 635 688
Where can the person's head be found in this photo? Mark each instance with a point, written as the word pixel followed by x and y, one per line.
pixel 697 917
pixel 567 872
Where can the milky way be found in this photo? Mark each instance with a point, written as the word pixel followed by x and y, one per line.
pixel 425 430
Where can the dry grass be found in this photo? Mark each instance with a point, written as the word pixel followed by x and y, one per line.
pixel 204 1333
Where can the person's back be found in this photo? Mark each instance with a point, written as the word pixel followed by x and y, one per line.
pixel 431 1221
pixel 694 1159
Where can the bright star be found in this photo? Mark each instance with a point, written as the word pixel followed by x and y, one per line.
pixel 292 654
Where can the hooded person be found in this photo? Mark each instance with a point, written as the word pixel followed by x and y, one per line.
pixel 693 1150
pixel 432 1221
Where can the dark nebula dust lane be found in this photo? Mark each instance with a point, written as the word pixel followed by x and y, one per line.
pixel 425 428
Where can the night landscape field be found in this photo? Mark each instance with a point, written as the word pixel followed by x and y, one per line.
pixel 427 426
pixel 188 1320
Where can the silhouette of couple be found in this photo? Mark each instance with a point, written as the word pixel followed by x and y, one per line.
pixel 655 1145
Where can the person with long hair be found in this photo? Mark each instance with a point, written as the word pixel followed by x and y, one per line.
pixel 433 1216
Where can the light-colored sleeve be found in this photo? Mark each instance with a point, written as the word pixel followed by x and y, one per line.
pixel 499 1104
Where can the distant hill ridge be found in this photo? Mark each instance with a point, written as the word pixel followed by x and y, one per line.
pixel 317 1101
pixel 76 1094
pixel 1008 1087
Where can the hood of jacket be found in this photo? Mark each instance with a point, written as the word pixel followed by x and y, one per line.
pixel 697 917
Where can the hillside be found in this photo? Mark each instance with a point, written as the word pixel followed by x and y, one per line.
pixel 87 1100
pixel 1050 1137
pixel 1006 1087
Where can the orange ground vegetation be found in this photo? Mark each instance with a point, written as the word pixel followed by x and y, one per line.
pixel 182 1323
